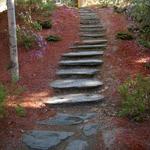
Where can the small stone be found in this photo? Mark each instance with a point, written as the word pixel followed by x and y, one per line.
pixel 90 129
pixel 44 140
pixel 77 145
pixel 67 119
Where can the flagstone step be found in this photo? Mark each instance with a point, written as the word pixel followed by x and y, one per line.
pixel 84 62
pixel 92 35
pixel 77 71
pixel 74 98
pixel 88 46
pixel 92 29
pixel 91 26
pixel 83 53
pixel 76 84
pixel 99 41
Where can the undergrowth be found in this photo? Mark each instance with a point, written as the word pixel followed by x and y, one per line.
pixel 2 100
pixel 53 38
pixel 124 36
pixel 136 98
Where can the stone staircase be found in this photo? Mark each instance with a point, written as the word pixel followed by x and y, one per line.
pixel 77 84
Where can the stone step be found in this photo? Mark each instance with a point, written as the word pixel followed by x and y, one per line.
pixel 89 18
pixel 83 53
pixel 74 99
pixel 90 22
pixel 91 26
pixel 76 84
pixel 88 46
pixel 92 29
pixel 84 62
pixel 92 35
pixel 77 71
pixel 100 41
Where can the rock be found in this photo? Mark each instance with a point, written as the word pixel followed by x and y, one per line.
pixel 67 119
pixel 92 35
pixel 44 140
pixel 88 46
pixel 99 41
pixel 75 98
pixel 90 129
pixel 92 26
pixel 76 83
pixel 78 71
pixel 77 145
pixel 84 62
pixel 83 53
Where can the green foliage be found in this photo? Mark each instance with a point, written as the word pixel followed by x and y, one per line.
pixel 2 100
pixel 136 98
pixel 71 3
pixel 25 37
pixel 147 65
pixel 145 32
pixel 37 26
pixel 46 24
pixel 144 43
pixel 53 38
pixel 20 111
pixel 124 36
pixel 141 11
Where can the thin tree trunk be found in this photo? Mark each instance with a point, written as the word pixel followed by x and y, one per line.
pixel 13 39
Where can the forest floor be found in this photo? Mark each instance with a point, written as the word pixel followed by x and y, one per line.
pixel 121 59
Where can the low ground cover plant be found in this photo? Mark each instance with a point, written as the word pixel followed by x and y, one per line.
pixel 53 38
pixel 124 36
pixel 135 94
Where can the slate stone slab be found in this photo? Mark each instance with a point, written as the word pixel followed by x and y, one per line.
pixel 90 129
pixel 76 83
pixel 67 119
pixel 99 41
pixel 44 140
pixel 79 71
pixel 88 46
pixel 78 145
pixel 83 53
pixel 84 62
pixel 92 29
pixel 91 26
pixel 92 35
pixel 75 98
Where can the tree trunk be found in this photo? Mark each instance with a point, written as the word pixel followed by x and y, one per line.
pixel 13 40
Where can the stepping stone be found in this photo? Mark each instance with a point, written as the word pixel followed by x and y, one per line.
pixel 67 119
pixel 83 53
pixel 92 30
pixel 88 46
pixel 44 139
pixel 91 35
pixel 100 41
pixel 78 71
pixel 81 62
pixel 91 26
pixel 78 145
pixel 90 129
pixel 76 83
pixel 74 98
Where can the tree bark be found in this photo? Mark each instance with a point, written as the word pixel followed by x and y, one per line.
pixel 13 39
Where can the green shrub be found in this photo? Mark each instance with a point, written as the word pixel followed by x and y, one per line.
pixel 144 43
pixel 136 98
pixel 25 37
pixel 20 111
pixel 46 24
pixel 37 26
pixel 53 38
pixel 124 36
pixel 2 100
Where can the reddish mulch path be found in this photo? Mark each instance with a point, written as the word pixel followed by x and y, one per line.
pixel 36 73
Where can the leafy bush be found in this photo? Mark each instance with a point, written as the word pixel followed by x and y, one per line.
pixel 136 98
pixel 144 43
pixel 25 37
pixel 20 111
pixel 124 36
pixel 46 24
pixel 37 26
pixel 2 100
pixel 53 38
